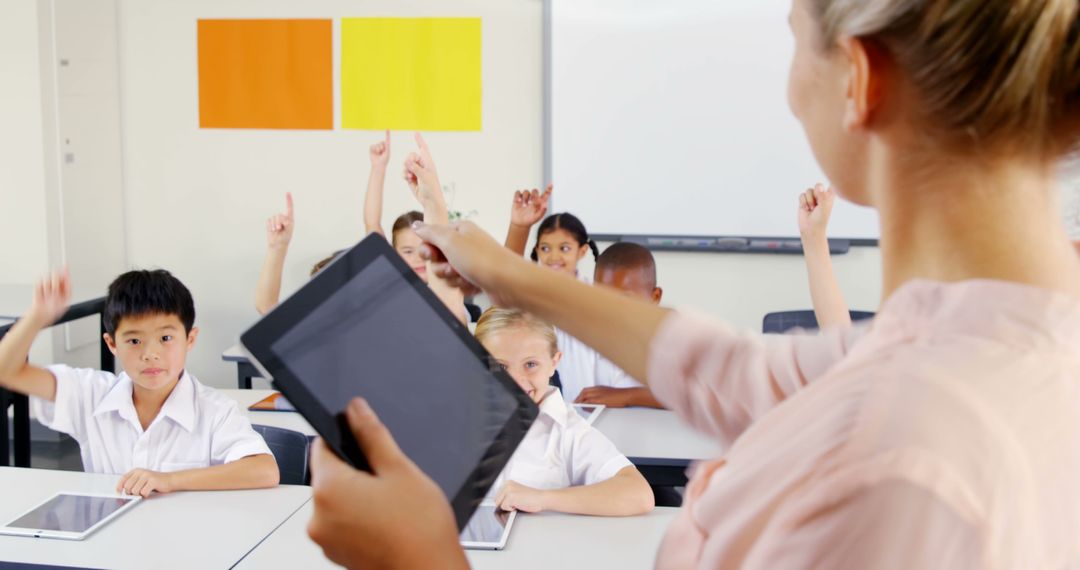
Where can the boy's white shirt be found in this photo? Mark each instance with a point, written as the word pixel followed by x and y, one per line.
pixel 582 367
pixel 196 427
pixel 561 450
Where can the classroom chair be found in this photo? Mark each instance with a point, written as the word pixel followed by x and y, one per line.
pixel 290 449
pixel 782 321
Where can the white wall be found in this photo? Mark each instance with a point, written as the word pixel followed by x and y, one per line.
pixel 22 168
pixel 196 200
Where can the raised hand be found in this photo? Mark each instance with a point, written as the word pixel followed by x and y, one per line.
pixel 529 206
pixel 279 227
pixel 421 175
pixel 380 152
pixel 51 298
pixel 815 206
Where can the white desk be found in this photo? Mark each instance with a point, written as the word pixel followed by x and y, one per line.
pixel 656 441
pixel 179 530
pixel 245 370
pixel 546 541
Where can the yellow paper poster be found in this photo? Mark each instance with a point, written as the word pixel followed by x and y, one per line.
pixel 411 74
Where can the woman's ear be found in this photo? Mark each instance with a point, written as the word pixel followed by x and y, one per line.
pixel 865 82
pixel 555 359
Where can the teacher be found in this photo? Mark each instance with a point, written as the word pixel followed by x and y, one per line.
pixel 947 433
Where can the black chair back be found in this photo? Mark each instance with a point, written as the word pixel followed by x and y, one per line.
pixel 290 449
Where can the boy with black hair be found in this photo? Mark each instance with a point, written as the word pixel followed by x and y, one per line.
pixel 630 269
pixel 154 422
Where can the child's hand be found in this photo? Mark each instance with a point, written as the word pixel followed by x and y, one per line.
pixel 517 497
pixel 380 152
pixel 815 205
pixel 529 207
pixel 606 395
pixel 144 481
pixel 51 297
pixel 279 227
pixel 420 174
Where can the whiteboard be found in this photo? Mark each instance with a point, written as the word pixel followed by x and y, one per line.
pixel 671 118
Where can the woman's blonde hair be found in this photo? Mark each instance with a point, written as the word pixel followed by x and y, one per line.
pixel 495 320
pixel 993 75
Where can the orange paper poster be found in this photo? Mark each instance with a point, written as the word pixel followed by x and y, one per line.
pixel 411 74
pixel 266 74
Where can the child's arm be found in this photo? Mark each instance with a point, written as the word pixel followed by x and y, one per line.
pixel 619 397
pixel 251 472
pixel 51 297
pixel 423 180
pixel 279 230
pixel 625 494
pixel 380 158
pixel 815 205
pixel 528 209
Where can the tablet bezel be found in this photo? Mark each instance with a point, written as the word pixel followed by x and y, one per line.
pixel 132 500
pixel 503 537
pixel 260 337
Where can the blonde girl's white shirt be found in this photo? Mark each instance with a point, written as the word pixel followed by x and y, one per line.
pixel 196 427
pixel 561 450
pixel 577 369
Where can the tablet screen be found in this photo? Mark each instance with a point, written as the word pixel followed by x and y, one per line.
pixel 374 335
pixel 486 526
pixel 70 513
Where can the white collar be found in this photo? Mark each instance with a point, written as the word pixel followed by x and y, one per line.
pixel 179 406
pixel 553 406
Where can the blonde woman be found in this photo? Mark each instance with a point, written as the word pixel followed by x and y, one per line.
pixel 947 434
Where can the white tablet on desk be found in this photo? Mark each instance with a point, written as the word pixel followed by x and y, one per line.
pixel 589 411
pixel 488 528
pixel 69 516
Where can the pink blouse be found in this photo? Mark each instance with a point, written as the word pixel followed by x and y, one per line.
pixel 945 435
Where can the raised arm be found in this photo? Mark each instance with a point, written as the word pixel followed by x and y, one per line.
pixel 715 377
pixel 51 297
pixel 529 207
pixel 423 180
pixel 279 230
pixel 380 158
pixel 815 205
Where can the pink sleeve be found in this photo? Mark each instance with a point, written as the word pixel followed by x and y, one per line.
pixel 720 380
pixel 892 524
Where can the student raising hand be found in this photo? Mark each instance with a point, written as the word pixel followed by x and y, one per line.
pixel 528 208
pixel 407 522
pixel 279 231
pixel 380 153
pixel 51 297
pixel 815 206
pixel 422 177
pixel 279 227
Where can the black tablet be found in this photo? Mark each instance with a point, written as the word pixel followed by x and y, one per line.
pixel 366 325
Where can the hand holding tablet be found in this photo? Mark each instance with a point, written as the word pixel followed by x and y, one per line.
pixel 367 326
